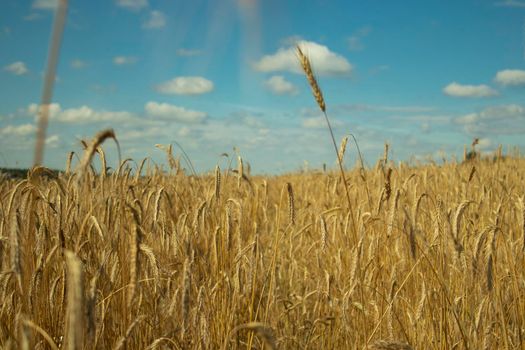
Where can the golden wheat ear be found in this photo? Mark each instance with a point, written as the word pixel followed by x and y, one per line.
pixel 304 61
pixel 307 68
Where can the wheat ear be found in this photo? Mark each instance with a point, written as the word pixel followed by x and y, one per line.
pixel 318 95
pixel 92 148
pixel 291 204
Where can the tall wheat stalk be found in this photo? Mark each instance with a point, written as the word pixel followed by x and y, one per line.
pixel 318 95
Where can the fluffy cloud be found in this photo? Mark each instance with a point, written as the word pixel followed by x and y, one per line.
pixel 324 61
pixel 134 5
pixel 185 86
pixel 52 141
pixel 45 4
pixel 494 120
pixel 18 130
pixel 176 113
pixel 458 90
pixel 484 143
pixel 78 64
pixel 86 114
pixel 278 85
pixel 156 19
pixel 124 60
pixel 16 68
pixel 82 115
pixel 510 77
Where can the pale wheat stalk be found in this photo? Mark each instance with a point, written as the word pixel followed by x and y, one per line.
pixel 74 338
pixel 15 251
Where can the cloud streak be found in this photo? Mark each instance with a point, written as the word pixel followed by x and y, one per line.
pixel 45 4
pixel 471 91
pixel 175 113
pixel 133 5
pixel 17 68
pixel 495 120
pixel 18 130
pixel 191 85
pixel 124 60
pixel 510 77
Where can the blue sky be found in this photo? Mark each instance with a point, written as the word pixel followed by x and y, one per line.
pixel 425 76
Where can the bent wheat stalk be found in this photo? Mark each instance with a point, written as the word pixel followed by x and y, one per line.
pixel 318 95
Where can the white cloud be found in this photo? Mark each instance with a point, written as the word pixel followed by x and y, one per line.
pixel 176 113
pixel 319 123
pixel 52 141
pixel 85 114
pixel 45 4
pixel 505 119
pixel 82 115
pixel 134 5
pixel 185 86
pixel 156 19
pixel 78 64
pixel 511 3
pixel 355 40
pixel 484 143
pixel 188 52
pixel 278 85
pixel 324 61
pixel 17 68
pixel 18 130
pixel 124 60
pixel 458 90
pixel 510 77
pixel 34 109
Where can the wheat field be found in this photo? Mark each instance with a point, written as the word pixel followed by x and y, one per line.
pixel 227 260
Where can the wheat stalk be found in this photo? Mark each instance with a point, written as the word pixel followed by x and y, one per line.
pixel 318 95
pixel 74 332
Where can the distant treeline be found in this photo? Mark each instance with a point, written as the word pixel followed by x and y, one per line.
pixel 19 173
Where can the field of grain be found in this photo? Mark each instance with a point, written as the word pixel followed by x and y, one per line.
pixel 431 257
